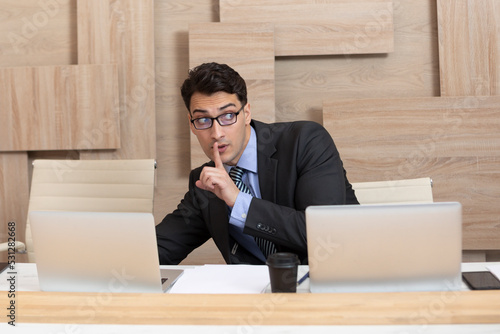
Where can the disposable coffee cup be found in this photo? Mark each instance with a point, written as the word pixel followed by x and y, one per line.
pixel 283 271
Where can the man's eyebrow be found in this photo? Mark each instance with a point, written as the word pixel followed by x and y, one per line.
pixel 200 111
pixel 203 111
pixel 227 106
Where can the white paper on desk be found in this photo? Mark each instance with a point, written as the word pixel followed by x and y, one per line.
pixel 26 277
pixel 223 279
pixel 494 269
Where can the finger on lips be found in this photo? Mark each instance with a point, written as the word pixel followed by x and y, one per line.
pixel 217 159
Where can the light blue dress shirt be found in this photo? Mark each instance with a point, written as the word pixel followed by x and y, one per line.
pixel 248 160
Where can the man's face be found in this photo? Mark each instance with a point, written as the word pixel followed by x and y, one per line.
pixel 232 139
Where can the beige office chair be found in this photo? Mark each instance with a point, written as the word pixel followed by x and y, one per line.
pixel 90 185
pixel 398 191
pixel 19 247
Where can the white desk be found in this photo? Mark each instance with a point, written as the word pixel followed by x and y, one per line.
pixel 27 278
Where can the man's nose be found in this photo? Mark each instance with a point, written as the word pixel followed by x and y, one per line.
pixel 217 131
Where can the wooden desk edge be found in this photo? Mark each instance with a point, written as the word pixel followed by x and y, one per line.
pixel 414 308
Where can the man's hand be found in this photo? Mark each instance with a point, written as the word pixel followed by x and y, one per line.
pixel 218 181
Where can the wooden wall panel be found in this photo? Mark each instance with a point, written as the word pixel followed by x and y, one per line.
pixel 453 140
pixel 94 32
pixel 59 108
pixel 172 20
pixel 469 47
pixel 14 195
pixel 249 49
pixel 122 32
pixel 32 33
pixel 469 62
pixel 302 83
pixel 310 27
pixel 37 33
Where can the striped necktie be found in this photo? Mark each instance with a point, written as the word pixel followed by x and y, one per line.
pixel 236 174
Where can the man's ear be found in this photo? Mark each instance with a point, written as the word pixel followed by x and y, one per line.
pixel 248 113
pixel 191 126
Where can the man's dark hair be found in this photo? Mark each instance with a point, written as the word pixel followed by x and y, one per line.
pixel 210 78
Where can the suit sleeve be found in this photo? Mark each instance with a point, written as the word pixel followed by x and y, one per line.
pixel 309 172
pixel 183 230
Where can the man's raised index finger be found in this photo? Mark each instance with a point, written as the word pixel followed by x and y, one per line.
pixel 217 159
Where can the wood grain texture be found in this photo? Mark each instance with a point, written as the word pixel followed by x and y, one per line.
pixel 302 83
pixel 309 27
pixel 249 49
pixel 453 140
pixel 469 62
pixel 32 33
pixel 172 19
pixel 14 195
pixel 59 108
pixel 94 27
pixel 447 307
pixel 122 32
pixel 37 32
pixel 469 47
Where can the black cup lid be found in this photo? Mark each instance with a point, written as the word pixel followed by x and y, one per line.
pixel 283 260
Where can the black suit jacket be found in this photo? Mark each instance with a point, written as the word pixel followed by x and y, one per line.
pixel 298 165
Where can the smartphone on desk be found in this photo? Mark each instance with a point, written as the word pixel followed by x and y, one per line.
pixel 481 280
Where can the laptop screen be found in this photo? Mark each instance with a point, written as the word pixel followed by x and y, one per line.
pixel 387 247
pixel 96 251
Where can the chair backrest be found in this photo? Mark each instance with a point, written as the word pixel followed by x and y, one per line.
pixel 90 185
pixel 394 191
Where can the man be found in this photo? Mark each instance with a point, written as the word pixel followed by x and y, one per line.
pixel 286 168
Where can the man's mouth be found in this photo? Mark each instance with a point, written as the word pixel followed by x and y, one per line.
pixel 222 148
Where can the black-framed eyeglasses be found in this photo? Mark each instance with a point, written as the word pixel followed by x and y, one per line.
pixel 226 119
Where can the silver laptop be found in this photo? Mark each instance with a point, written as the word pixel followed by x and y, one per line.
pixel 387 247
pixel 98 252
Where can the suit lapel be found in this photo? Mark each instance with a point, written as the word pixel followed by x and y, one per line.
pixel 266 165
pixel 219 218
